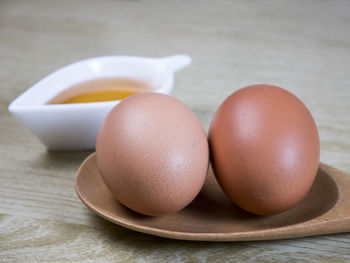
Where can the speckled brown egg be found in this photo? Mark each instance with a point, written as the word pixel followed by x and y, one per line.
pixel 153 154
pixel 264 149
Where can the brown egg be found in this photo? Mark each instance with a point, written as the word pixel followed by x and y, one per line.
pixel 264 149
pixel 153 154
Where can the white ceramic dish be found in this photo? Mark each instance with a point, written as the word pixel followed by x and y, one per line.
pixel 75 126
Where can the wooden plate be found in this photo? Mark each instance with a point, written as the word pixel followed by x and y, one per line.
pixel 213 217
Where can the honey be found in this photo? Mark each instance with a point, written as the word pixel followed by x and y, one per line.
pixel 98 90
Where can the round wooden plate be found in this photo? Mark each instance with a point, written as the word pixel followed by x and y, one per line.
pixel 213 217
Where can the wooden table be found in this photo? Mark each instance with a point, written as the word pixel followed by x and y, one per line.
pixel 302 46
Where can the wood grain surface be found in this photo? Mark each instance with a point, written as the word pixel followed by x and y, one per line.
pixel 302 46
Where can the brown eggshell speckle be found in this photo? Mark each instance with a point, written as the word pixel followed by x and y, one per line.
pixel 153 154
pixel 264 149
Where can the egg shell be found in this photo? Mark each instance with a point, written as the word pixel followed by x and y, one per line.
pixel 153 153
pixel 265 149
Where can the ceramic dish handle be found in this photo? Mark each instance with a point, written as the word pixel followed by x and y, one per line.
pixel 175 63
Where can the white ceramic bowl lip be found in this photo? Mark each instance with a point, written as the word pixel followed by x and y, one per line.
pixel 158 72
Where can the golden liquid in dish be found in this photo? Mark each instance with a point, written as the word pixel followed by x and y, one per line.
pixel 98 90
